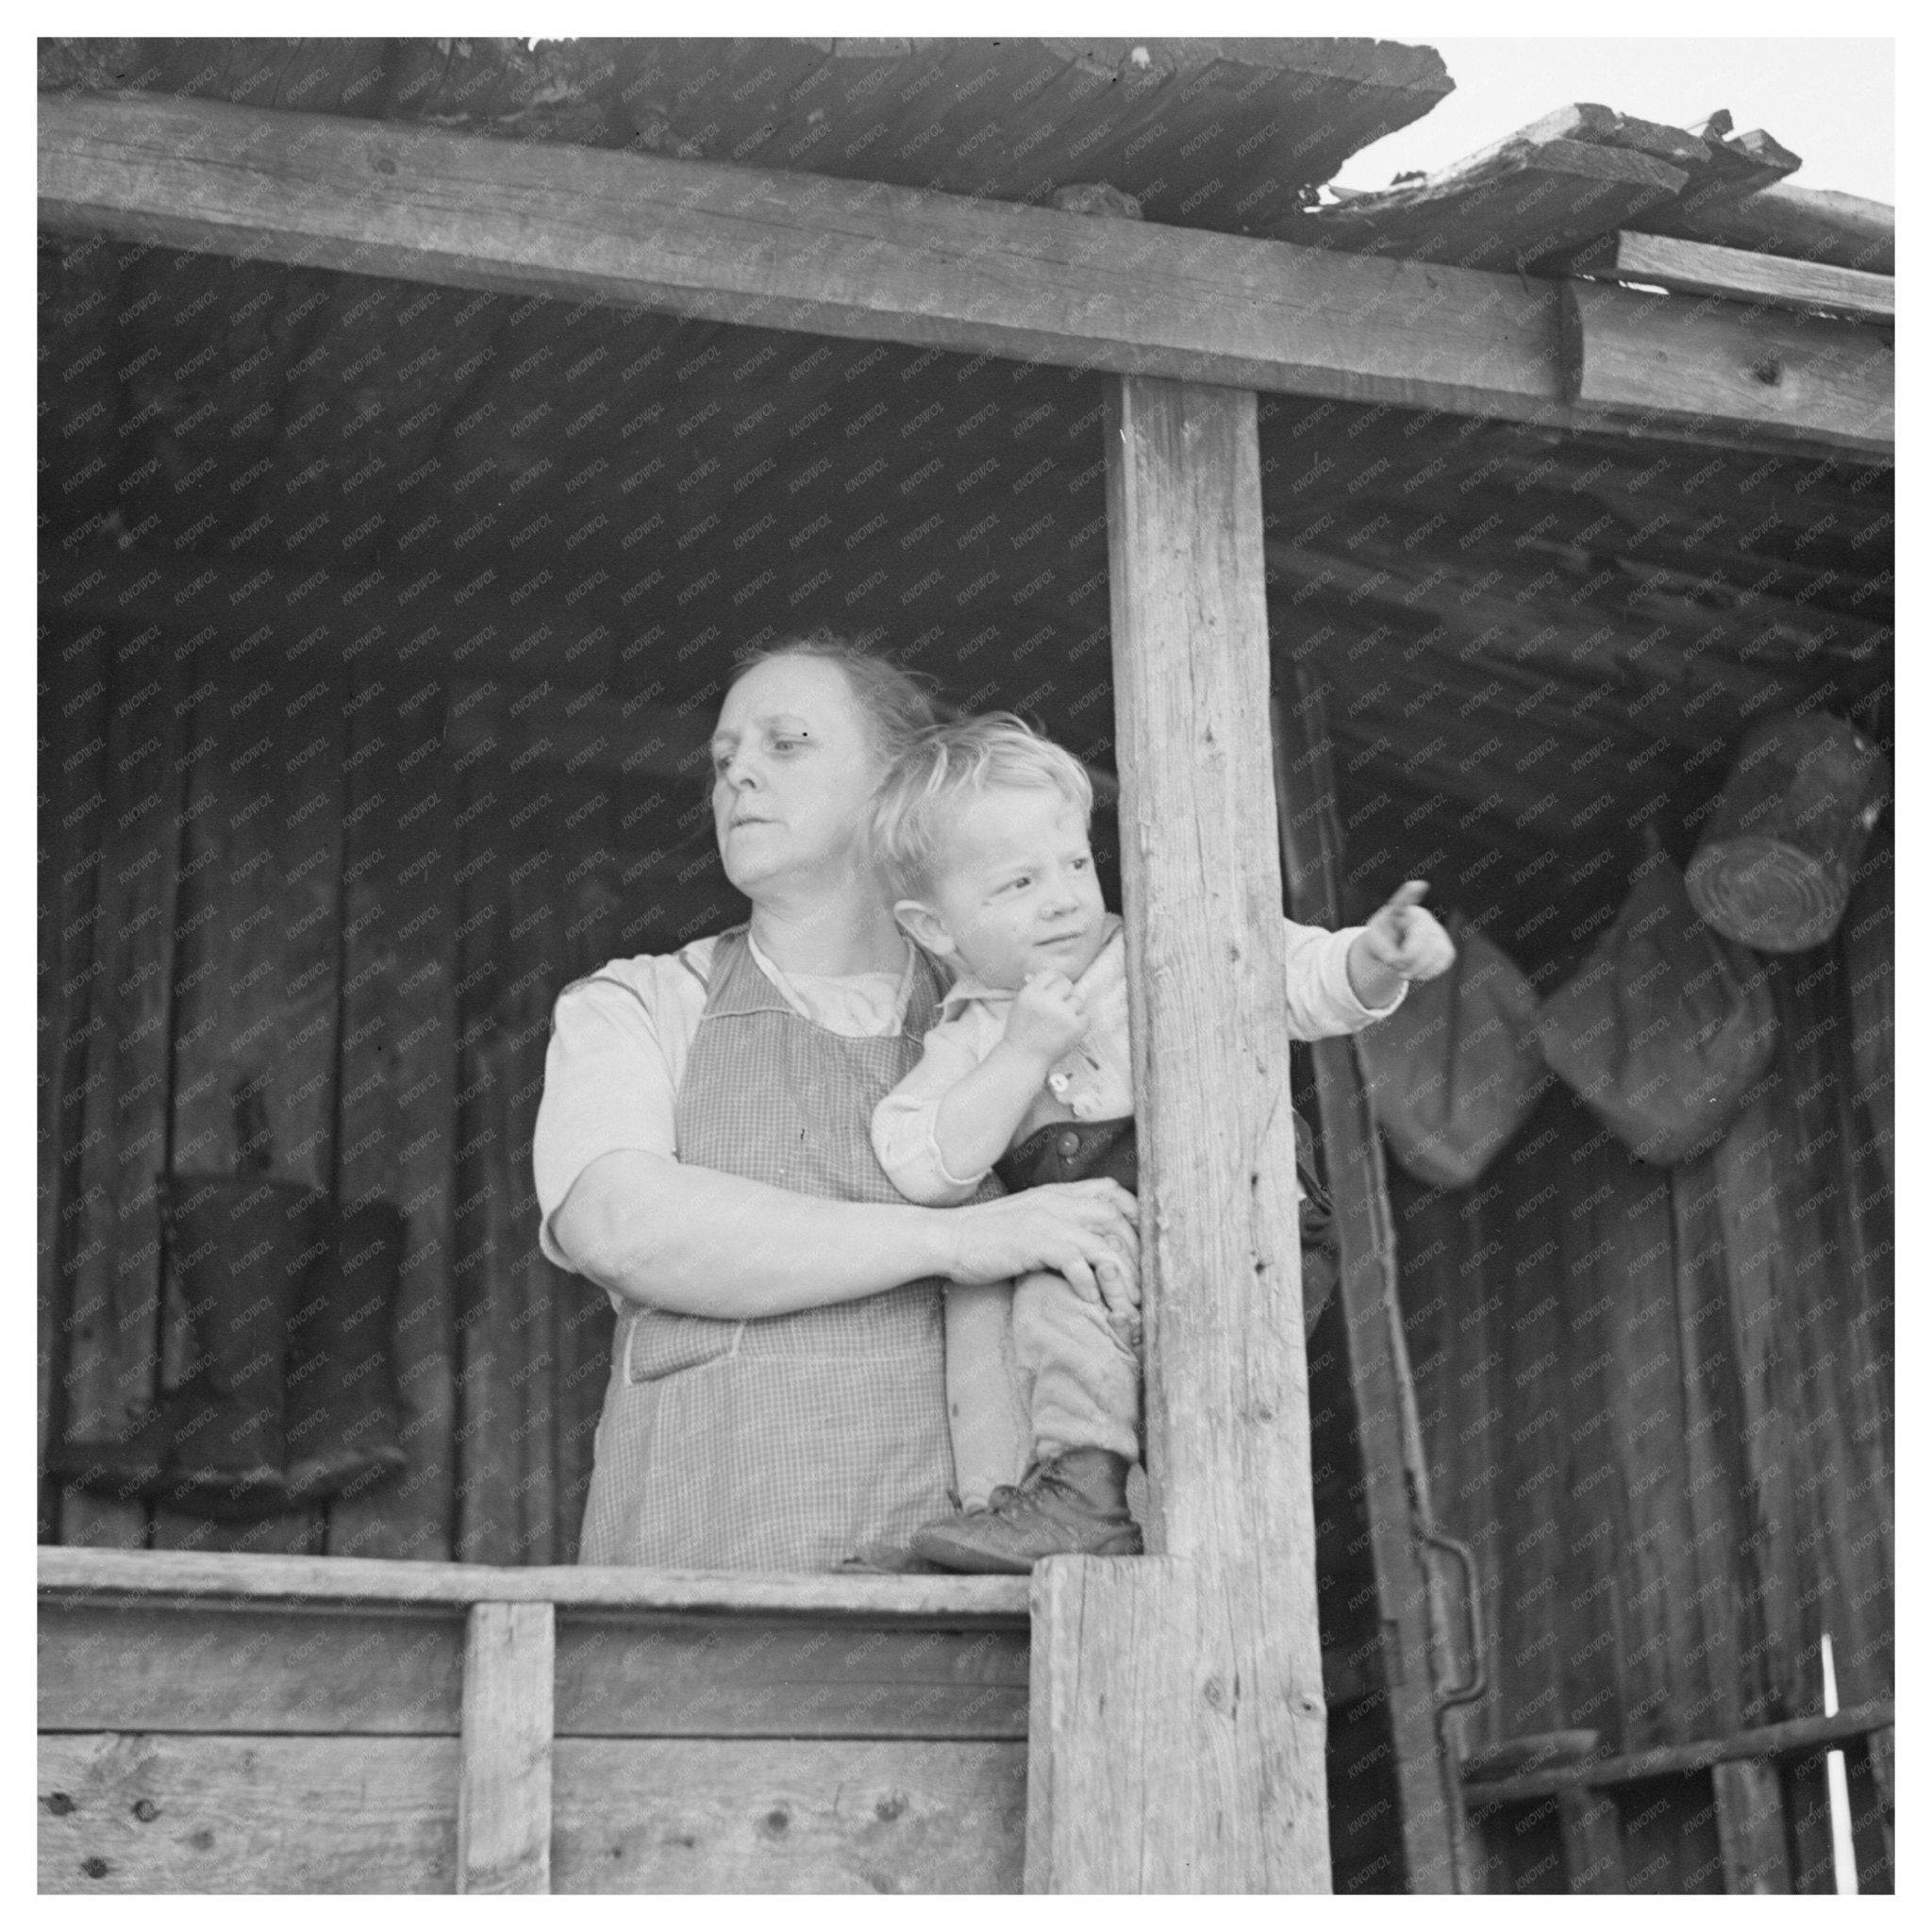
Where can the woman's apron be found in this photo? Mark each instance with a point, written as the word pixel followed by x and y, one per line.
pixel 789 1442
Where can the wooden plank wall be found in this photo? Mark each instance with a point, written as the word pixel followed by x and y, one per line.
pixel 274 898
pixel 1659 1404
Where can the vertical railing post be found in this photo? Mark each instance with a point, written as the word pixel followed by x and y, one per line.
pixel 509 1695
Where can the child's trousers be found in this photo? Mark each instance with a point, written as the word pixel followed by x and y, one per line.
pixel 1032 1374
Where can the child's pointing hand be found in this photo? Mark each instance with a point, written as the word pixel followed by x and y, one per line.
pixel 1402 942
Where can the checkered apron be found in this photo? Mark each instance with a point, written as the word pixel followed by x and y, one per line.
pixel 789 1442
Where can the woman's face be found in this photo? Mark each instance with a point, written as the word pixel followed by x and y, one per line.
pixel 792 774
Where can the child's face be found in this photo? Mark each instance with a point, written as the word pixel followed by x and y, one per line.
pixel 1014 890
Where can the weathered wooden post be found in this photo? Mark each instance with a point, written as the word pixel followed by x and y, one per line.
pixel 1177 1717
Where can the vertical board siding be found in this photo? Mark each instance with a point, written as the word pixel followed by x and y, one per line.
pixel 123 1120
pixel 398 1079
pixel 258 992
pixel 1660 1401
pixel 72 773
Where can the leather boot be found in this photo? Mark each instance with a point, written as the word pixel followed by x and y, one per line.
pixel 241 1251
pixel 1073 1504
pixel 340 1423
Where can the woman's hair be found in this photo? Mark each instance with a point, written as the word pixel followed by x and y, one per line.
pixel 922 792
pixel 896 704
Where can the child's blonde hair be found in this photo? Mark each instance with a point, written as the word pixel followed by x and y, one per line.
pixel 926 783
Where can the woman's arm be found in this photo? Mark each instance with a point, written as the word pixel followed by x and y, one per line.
pixel 694 1241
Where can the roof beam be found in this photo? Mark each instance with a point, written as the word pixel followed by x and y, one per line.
pixel 794 251
pixel 1702 268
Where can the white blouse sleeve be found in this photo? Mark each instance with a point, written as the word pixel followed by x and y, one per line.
pixel 616 1054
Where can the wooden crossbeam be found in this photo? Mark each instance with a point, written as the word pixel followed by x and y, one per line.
pixel 1672 359
pixel 868 261
pixel 1702 268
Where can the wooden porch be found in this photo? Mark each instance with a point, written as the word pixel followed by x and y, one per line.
pixel 408 488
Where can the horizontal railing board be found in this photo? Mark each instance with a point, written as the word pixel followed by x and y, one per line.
pixel 370 1580
pixel 708 1815
pixel 187 1664
pixel 208 1667
pixel 619 1677
pixel 1765 1740
pixel 186 1813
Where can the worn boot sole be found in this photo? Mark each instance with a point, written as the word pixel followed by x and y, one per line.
pixel 959 1547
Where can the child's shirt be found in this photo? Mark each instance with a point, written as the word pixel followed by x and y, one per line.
pixel 1093 1082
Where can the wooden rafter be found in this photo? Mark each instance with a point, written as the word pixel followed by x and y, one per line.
pixel 895 264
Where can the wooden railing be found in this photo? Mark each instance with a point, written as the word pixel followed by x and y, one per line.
pixel 216 1723
pixel 232 1722
pixel 1763 1788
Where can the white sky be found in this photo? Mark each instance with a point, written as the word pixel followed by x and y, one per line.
pixel 1828 100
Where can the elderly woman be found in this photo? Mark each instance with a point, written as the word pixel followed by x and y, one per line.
pixel 704 1154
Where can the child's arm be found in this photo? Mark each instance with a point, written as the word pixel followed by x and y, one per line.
pixel 938 1131
pixel 1340 982
pixel 977 1119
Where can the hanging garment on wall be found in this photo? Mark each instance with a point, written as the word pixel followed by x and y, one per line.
pixel 1775 868
pixel 287 1396
pixel 1454 1071
pixel 1666 1025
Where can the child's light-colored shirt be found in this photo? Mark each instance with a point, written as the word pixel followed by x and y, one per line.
pixel 1095 1080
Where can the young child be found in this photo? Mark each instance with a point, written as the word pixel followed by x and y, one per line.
pixel 982 831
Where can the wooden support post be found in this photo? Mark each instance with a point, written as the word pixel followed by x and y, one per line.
pixel 1180 1726
pixel 1311 844
pixel 1750 1825
pixel 502 1805
pixel 1592 1841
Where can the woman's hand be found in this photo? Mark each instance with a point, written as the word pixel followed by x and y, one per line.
pixel 1086 1231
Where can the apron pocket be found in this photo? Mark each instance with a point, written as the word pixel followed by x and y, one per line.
pixel 660 1344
